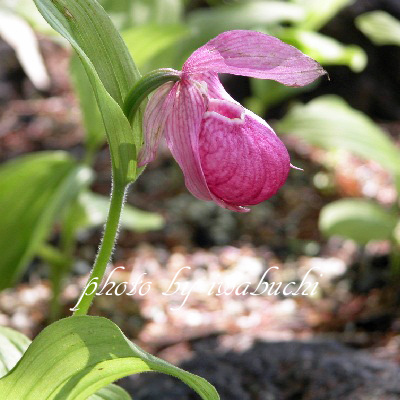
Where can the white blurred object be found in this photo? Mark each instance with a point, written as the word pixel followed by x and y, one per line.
pixel 20 36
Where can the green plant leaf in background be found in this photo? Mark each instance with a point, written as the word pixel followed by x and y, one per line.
pixel 12 346
pixel 326 50
pixel 329 122
pixel 80 355
pixel 157 11
pixel 380 27
pixel 20 36
pixel 357 219
pixel 94 209
pixel 145 42
pixel 319 12
pixel 110 392
pixel 111 71
pixel 34 190
pixel 266 93
pixel 249 14
pixel 244 15
pixel 27 10
pixel 131 13
pixel 92 121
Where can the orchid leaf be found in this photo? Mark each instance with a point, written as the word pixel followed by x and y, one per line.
pixel 318 12
pixel 148 41
pixel 94 210
pixel 20 36
pixel 326 50
pixel 110 392
pixel 157 11
pixel 357 219
pixel 132 13
pixel 246 15
pixel 12 346
pixel 380 27
pixel 80 355
pixel 27 10
pixel 259 15
pixel 93 123
pixel 110 69
pixel 34 190
pixel 329 122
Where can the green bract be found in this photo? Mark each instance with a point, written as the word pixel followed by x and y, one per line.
pixel 110 69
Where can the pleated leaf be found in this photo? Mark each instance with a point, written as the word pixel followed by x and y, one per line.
pixel 110 69
pixel 34 190
pixel 329 122
pixel 110 392
pixel 358 219
pixel 75 357
pixel 12 346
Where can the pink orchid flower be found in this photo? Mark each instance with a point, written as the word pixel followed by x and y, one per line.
pixel 227 154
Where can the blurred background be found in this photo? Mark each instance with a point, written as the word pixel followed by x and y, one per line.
pixel 340 216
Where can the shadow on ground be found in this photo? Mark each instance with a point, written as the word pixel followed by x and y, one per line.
pixel 278 371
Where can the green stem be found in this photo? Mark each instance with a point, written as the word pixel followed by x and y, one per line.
pixel 59 264
pixel 106 248
pixel 147 84
pixel 144 86
pixel 57 277
pixel 395 258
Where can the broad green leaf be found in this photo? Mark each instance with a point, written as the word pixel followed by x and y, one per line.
pixel 129 13
pixel 110 68
pixel 110 392
pixel 92 121
pixel 157 11
pixel 319 12
pixel 147 41
pixel 329 122
pixel 380 27
pixel 266 93
pixel 27 10
pixel 326 50
pixel 20 36
pixel 260 15
pixel 357 219
pixel 249 14
pixel 90 31
pixel 12 346
pixel 94 210
pixel 80 355
pixel 34 189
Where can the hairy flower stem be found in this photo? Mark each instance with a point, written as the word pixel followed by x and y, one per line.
pixel 147 84
pixel 105 250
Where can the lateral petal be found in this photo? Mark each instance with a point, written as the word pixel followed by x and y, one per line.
pixel 157 110
pixel 182 131
pixel 254 54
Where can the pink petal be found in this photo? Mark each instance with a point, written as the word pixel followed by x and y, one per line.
pixel 156 113
pixel 213 86
pixel 254 54
pixel 243 161
pixel 182 133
